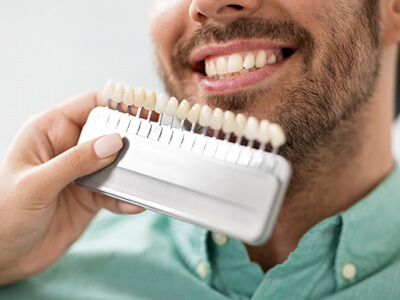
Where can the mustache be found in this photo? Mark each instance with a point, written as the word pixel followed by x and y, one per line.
pixel 286 31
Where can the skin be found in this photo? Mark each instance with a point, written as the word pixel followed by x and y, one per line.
pixel 42 213
pixel 334 97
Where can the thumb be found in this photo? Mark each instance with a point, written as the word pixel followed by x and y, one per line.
pixel 81 160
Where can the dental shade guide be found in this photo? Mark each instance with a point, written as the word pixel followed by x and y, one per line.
pixel 227 187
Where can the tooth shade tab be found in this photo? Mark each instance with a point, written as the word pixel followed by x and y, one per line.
pixel 161 104
pixel 277 135
pixel 118 94
pixel 129 96
pixel 205 116
pixel 240 125
pixel 228 125
pixel 140 97
pixel 172 107
pixel 108 90
pixel 217 118
pixel 264 132
pixel 151 100
pixel 194 113
pixel 183 110
pixel 251 130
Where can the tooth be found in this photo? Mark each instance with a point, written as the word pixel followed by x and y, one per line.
pixel 244 71
pixel 129 96
pixel 229 122
pixel 217 118
pixel 240 125
pixel 280 57
pixel 249 61
pixel 150 101
pixel 183 110
pixel 277 135
pixel 118 94
pixel 172 107
pixel 222 66
pixel 194 113
pixel 263 132
pixel 215 77
pixel 251 130
pixel 140 97
pixel 205 116
pixel 109 89
pixel 207 68
pixel 161 104
pixel 235 63
pixel 213 69
pixel 272 59
pixel 261 59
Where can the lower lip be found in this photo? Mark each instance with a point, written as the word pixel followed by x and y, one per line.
pixel 239 81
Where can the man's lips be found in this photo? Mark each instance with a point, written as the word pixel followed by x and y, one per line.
pixel 237 65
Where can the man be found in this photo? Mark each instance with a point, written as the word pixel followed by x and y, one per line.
pixel 332 90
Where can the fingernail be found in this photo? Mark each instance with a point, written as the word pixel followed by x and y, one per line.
pixel 108 145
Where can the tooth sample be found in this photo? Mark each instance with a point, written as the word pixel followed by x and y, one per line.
pixel 277 136
pixel 183 110
pixel 118 94
pixel 263 134
pixel 222 66
pixel 194 115
pixel 161 106
pixel 205 117
pixel 235 63
pixel 249 61
pixel 212 69
pixel 108 91
pixel 129 96
pixel 172 107
pixel 261 59
pixel 150 103
pixel 251 130
pixel 216 120
pixel 228 124
pixel 272 59
pixel 239 127
pixel 140 98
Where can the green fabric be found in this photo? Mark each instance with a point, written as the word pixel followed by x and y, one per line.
pixel 151 256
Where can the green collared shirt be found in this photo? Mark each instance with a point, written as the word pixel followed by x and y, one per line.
pixel 353 255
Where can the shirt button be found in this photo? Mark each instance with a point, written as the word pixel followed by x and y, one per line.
pixel 349 271
pixel 201 270
pixel 219 239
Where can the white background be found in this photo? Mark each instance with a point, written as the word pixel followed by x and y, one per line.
pixel 52 50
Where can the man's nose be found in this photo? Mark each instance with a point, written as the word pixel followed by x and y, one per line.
pixel 221 10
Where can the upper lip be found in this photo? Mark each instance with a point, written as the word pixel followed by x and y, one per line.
pixel 199 55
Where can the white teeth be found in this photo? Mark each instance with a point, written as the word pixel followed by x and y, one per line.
pixel 217 118
pixel 277 135
pixel 249 61
pixel 194 113
pixel 109 89
pixel 118 94
pixel 129 96
pixel 251 130
pixel 263 132
pixel 183 110
pixel 272 59
pixel 235 63
pixel 240 125
pixel 229 122
pixel 140 97
pixel 261 59
pixel 222 66
pixel 205 116
pixel 213 69
pixel 161 104
pixel 207 68
pixel 172 107
pixel 150 101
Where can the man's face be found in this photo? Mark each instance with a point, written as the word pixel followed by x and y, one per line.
pixel 325 68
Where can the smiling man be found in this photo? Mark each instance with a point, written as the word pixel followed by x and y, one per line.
pixel 324 70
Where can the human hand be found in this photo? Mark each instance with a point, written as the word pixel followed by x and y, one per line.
pixel 41 212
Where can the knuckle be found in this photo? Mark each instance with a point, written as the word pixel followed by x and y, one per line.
pixel 75 158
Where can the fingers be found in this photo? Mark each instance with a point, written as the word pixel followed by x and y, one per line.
pixel 79 161
pixel 117 206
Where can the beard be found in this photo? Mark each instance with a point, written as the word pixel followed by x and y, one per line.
pixel 318 103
